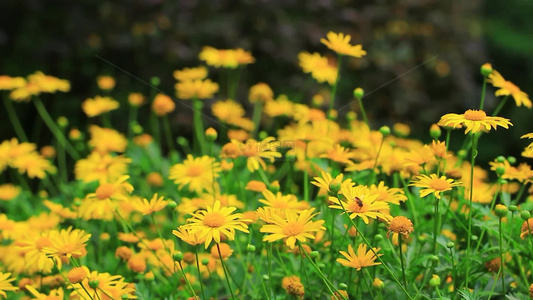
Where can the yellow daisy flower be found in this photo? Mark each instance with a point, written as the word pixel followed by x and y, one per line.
pixel 260 92
pixel 434 184
pixel 228 110
pixel 400 225
pixel 279 200
pixel 9 192
pixel 190 73
pixel 5 284
pixel 98 105
pixel 340 43
pixel 508 88
pixel 474 120
pixel 358 201
pixel 197 172
pixel 146 207
pixel 103 286
pixel 189 236
pixel 102 167
pixel 321 68
pixel 105 140
pixel 216 221
pixel 256 151
pixel 528 151
pixel 296 226
pixel 360 260
pixel 162 105
pixel 200 89
pixel 106 82
pixel 66 243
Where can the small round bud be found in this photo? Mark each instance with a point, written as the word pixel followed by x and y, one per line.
pixel 211 134
pixel 321 266
pixel 263 135
pixel 511 160
pixel 435 131
pixel 178 256
pixel 351 116
pixel 378 238
pixel 265 277
pixel 314 254
pixel 434 281
pixel 149 276
pixel 182 141
pixel 450 245
pixel 93 284
pixel 250 248
pixel 335 187
pixel 423 238
pixel 385 130
pixel 525 215
pixel 332 114
pixel 501 210
pixel 136 128
pixel 378 284
pixel 513 208
pixel 77 202
pixel 500 159
pixel 358 93
pixel 474 237
pixel 317 100
pixel 502 181
pixel 155 81
pixel 62 122
pixel 486 69
pixel 172 204
pixel 434 259
pixel 205 261
pixel 343 286
pixel 500 170
pixel 274 186
pixel 462 154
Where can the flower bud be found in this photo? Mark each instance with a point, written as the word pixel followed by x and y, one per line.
pixel 500 170
pixel 343 286
pixel 450 245
pixel 513 208
pixel 378 284
pixel 502 181
pixel 93 284
pixel 62 122
pixel 378 238
pixel 263 135
pixel 172 204
pixel 332 114
pixel 500 159
pixel 178 256
pixel 351 116
pixel 511 160
pixel 474 237
pixel 385 130
pixel 435 131
pixel 274 186
pixel 211 134
pixel 486 69
pixel 525 215
pixel 205 261
pixel 358 93
pixel 462 154
pixel 434 259
pixel 434 281
pixel 501 210
pixel 314 254
pixel 155 81
pixel 250 248
pixel 335 187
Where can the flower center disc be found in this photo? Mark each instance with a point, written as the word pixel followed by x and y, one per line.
pixel 214 219
pixel 292 229
pixel 439 184
pixel 105 191
pixel 475 115
pixel 194 171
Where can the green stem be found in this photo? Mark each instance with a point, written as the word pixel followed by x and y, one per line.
pixel 401 260
pixel 500 106
pixel 363 112
pixel 334 87
pixel 187 280
pixel 483 93
pixel 199 125
pixel 258 108
pixel 168 132
pixel 373 176
pixel 436 225
pixel 306 176
pixel 226 271
pixel 199 274
pixel 269 260
pixel 12 114
pixel 472 164
pixel 132 118
pixel 501 255
pixel 55 129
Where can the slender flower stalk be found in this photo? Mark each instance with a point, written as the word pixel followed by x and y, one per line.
pixel 401 260
pixel 226 271
pixel 198 125
pixel 334 87
pixel 187 280
pixel 168 132
pixel 15 121
pixel 469 234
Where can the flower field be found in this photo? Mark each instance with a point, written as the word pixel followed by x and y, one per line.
pixel 296 199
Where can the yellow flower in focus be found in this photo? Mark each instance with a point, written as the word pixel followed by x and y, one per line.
pixel 98 105
pixel 105 140
pixel 296 226
pixel 215 222
pixel 105 82
pixel 400 225
pixel 474 120
pixel 146 207
pixel 260 92
pixel 190 73
pixel 508 88
pixel 360 260
pixel 340 43
pixel 102 167
pixel 188 236
pixel 197 172
pixel 163 105
pixel 8 192
pixel 199 89
pixel 5 284
pixel 433 184
pixel 358 201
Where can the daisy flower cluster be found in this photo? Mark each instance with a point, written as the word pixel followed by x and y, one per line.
pixel 292 199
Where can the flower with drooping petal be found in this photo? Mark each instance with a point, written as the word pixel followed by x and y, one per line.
pixel 474 121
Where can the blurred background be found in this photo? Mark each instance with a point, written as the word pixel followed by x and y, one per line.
pixel 423 56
